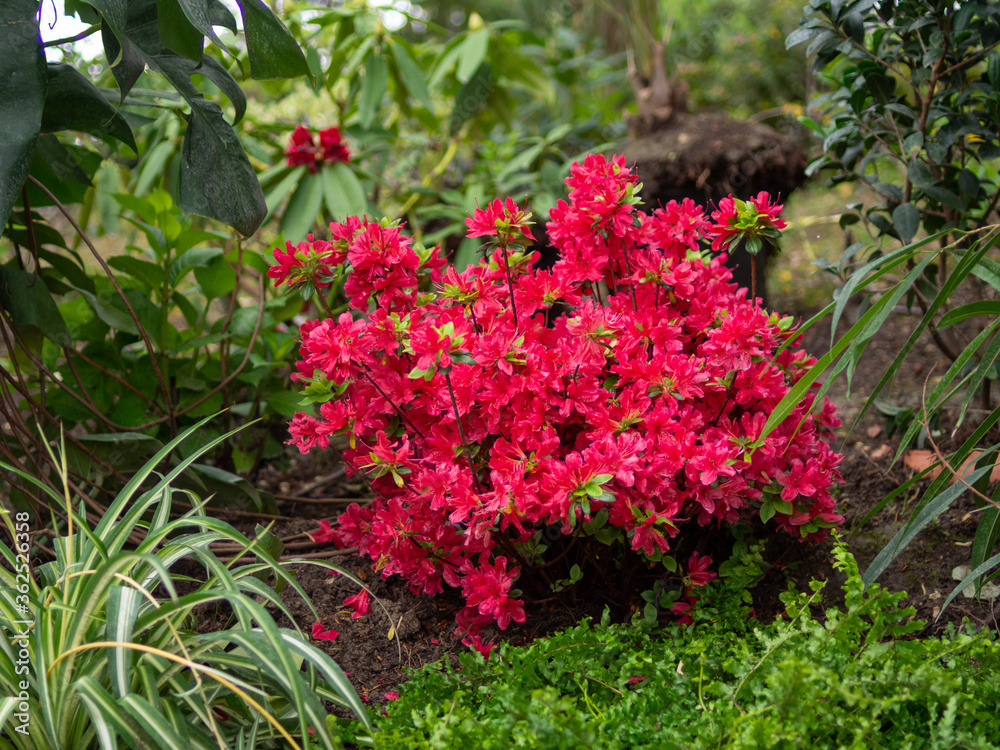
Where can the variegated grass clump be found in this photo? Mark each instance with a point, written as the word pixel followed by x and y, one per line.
pixel 113 657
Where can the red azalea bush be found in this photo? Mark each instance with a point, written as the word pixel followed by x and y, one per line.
pixel 303 150
pixel 489 422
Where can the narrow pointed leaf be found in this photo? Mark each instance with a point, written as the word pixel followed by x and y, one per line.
pixel 123 607
pixel 905 535
pixel 303 208
pixel 985 567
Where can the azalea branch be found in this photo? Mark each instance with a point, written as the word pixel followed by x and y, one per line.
pixel 461 432
pixel 510 285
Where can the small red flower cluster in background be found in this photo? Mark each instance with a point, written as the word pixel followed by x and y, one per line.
pixel 482 421
pixel 303 150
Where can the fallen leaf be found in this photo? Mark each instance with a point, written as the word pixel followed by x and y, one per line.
pixel 882 452
pixel 918 460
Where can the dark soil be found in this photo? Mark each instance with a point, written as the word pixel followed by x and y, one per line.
pixel 404 631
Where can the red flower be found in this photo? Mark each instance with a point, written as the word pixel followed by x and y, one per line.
pixel 323 635
pixel 301 149
pixel 332 147
pixel 750 220
pixel 325 534
pixel 503 220
pixel 698 572
pixel 359 603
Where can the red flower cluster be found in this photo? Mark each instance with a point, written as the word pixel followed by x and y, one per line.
pixel 302 148
pixel 479 423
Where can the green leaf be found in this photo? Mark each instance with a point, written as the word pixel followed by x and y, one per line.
pixel 882 87
pixel 113 17
pixel 123 607
pixel 217 279
pixel 22 97
pixel 216 178
pixel 130 62
pixel 196 257
pixel 154 722
pixel 303 208
pixel 928 513
pixel 410 72
pixel 61 160
pixel 986 307
pixel 200 16
pixel 979 570
pixel 906 219
pixel 472 96
pixel 987 533
pixel 177 33
pixel 278 193
pixel 919 173
pixel 74 103
pixel 213 70
pixel 342 192
pixel 27 300
pixel 150 274
pixel 272 49
pixel 993 70
pixel 473 51
pixel 373 88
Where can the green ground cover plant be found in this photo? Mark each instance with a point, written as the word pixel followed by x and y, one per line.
pixel 844 679
pixel 100 647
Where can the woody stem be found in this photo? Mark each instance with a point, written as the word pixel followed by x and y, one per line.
pixel 510 285
pixel 461 432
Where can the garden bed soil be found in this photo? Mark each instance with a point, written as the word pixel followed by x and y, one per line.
pixel 404 631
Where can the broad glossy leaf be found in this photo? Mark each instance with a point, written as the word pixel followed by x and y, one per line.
pixel 27 300
pixel 130 63
pixel 22 97
pixel 199 14
pixel 919 173
pixel 216 177
pixel 272 49
pixel 213 70
pixel 61 160
pixel 906 219
pixel 217 279
pixel 177 33
pixel 74 103
pixel 150 274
